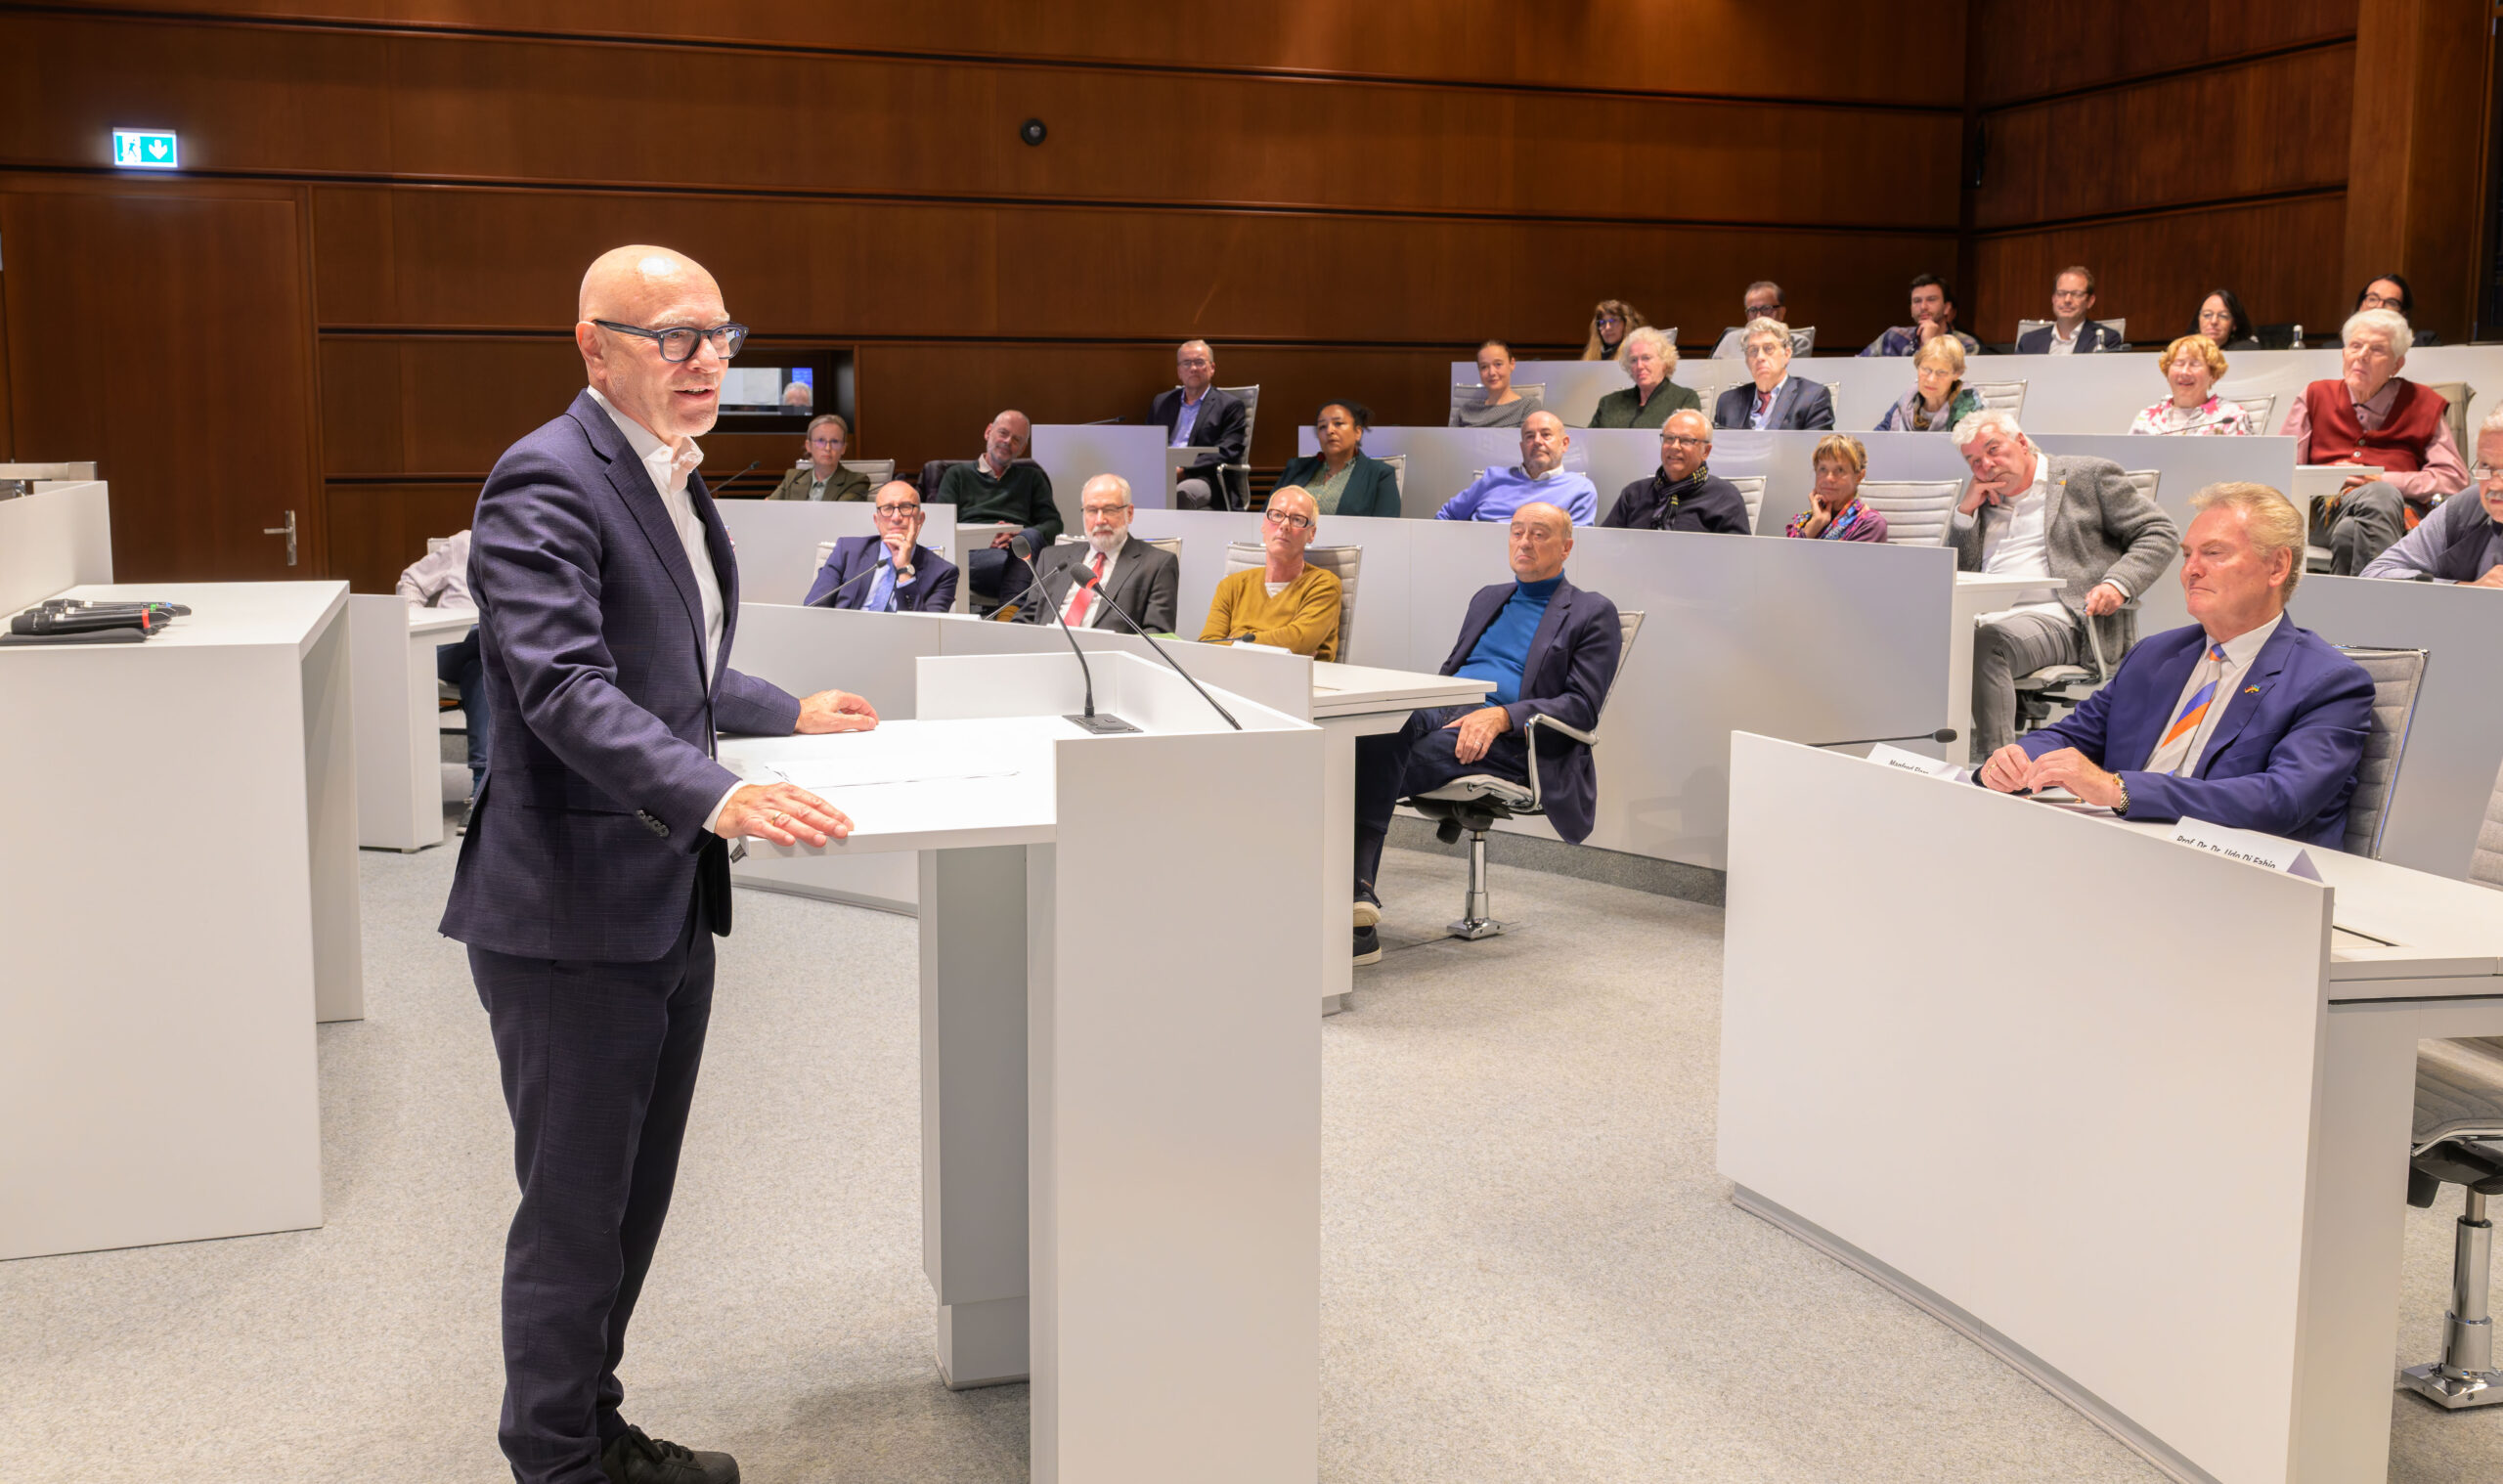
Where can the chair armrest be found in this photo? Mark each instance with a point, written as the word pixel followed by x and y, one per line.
pixel 1572 731
pixel 1537 797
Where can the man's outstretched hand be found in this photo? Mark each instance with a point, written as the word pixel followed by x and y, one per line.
pixel 835 711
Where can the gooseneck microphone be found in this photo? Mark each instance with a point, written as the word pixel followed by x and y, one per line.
pixel 1942 734
pixel 1102 723
pixel 886 557
pixel 1168 659
pixel 735 478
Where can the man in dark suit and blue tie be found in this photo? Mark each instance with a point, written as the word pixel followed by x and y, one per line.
pixel 1772 397
pixel 1551 649
pixel 595 873
pixel 2240 720
pixel 890 572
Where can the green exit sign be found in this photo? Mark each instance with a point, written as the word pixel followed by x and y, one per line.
pixel 146 150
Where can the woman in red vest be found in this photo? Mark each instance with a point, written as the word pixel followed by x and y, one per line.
pixel 2379 422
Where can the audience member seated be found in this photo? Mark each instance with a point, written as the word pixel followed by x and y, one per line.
pixel 998 487
pixel 1683 494
pixel 2375 419
pixel 823 476
pixel 2070 330
pixel 1540 476
pixel 1778 399
pixel 1200 413
pixel 1341 479
pixel 2192 365
pixel 1610 323
pixel 1143 580
pixel 1939 399
pixel 2391 291
pixel 2240 719
pixel 1650 359
pixel 1933 317
pixel 2076 523
pixel 1834 512
pixel 910 578
pixel 1550 649
pixel 2461 541
pixel 1763 301
pixel 1496 403
pixel 799 398
pixel 441 580
pixel 1289 603
pixel 2222 319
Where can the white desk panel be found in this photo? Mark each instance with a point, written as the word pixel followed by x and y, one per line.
pixel 59 537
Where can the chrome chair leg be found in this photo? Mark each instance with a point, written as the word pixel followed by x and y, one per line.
pixel 1474 923
pixel 2465 1377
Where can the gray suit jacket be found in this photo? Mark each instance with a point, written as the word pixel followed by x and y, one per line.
pixel 1146 583
pixel 2098 526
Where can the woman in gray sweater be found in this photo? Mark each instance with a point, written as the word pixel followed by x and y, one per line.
pixel 1499 406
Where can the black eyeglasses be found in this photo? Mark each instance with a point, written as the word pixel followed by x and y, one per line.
pixel 677 343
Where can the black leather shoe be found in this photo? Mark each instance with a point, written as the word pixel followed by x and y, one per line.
pixel 636 1459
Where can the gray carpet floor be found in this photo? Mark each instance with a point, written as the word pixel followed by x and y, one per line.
pixel 1531 1271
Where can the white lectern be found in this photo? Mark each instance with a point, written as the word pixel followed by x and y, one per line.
pixel 1120 1099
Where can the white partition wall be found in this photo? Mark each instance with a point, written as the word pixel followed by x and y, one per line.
pixel 56 538
pixel 1075 453
pixel 776 540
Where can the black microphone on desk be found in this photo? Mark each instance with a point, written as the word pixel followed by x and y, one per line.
pixel 1168 659
pixel 735 478
pixel 1942 734
pixel 1105 722
pixel 82 621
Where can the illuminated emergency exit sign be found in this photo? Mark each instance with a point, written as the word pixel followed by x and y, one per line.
pixel 146 150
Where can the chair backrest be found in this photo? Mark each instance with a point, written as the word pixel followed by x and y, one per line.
pixel 1918 512
pixel 1629 623
pixel 878 471
pixel 2026 328
pixel 2485 862
pixel 1751 490
pixel 2144 481
pixel 1341 562
pixel 1170 543
pixel 932 473
pixel 2458 394
pixel 1250 395
pixel 1398 472
pixel 2261 406
pixel 2398 674
pixel 1999 396
pixel 1468 395
pixel 1803 340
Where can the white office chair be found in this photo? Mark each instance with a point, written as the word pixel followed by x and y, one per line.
pixel 2000 396
pixel 2261 406
pixel 1342 563
pixel 2486 862
pixel 2065 686
pixel 1918 512
pixel 879 471
pixel 1468 395
pixel 1237 476
pixel 1398 473
pixel 2452 1139
pixel 1751 490
pixel 2457 395
pixel 2398 674
pixel 1476 801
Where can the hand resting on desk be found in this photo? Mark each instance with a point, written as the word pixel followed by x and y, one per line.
pixel 835 710
pixel 2010 771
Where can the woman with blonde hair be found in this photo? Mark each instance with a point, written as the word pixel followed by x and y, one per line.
pixel 1650 359
pixel 2192 366
pixel 1834 512
pixel 1939 398
pixel 1610 323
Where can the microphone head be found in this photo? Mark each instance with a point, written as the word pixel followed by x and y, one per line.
pixel 1021 549
pixel 1942 734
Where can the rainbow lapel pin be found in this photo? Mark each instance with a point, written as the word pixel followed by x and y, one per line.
pixel 2250 691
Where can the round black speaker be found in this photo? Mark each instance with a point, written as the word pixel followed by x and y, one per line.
pixel 1031 131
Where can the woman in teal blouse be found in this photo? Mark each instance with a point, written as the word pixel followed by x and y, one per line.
pixel 1340 479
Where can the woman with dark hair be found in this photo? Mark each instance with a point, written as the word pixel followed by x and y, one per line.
pixel 2391 291
pixel 1341 479
pixel 2225 322
pixel 1611 321
pixel 1496 403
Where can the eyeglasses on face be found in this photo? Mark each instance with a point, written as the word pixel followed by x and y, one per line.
pixel 2485 473
pixel 1682 441
pixel 899 511
pixel 1091 511
pixel 678 342
pixel 1288 521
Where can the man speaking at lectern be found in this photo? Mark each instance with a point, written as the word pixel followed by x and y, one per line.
pixel 595 873
pixel 2241 719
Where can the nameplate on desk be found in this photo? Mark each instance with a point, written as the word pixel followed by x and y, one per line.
pixel 2250 845
pixel 1914 762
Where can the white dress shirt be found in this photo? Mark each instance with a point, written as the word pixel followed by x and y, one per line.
pixel 668 470
pixel 2020 544
pixel 2065 345
pixel 1095 607
pixel 2240 651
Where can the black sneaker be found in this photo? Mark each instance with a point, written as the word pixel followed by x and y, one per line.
pixel 1368 945
pixel 636 1459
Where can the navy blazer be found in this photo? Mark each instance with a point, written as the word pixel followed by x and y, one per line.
pixel 1572 661
pixel 2282 759
pixel 1799 403
pixel 1223 424
pixel 933 588
pixel 586 839
pixel 2091 336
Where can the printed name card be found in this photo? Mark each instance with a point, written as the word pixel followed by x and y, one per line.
pixel 1914 762
pixel 2251 845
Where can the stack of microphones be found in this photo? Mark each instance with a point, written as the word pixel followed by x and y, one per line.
pixel 85 621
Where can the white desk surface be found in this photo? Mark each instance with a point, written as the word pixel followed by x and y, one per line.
pixel 1986 582
pixel 1014 807
pixel 1354 691
pixel 437 620
pixel 222 613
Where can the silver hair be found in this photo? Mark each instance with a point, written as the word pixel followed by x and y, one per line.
pixel 1764 325
pixel 1645 334
pixel 2388 323
pixel 1976 424
pixel 2493 423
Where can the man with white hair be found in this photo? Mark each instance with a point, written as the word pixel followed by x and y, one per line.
pixel 2240 719
pixel 1143 581
pixel 2461 541
pixel 2080 525
pixel 2382 424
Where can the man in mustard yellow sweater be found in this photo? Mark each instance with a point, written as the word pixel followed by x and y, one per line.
pixel 1289 603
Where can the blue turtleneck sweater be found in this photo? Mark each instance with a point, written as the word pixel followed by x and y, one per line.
pixel 1503 650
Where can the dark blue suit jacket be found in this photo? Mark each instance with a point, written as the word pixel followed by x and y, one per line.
pixel 2091 336
pixel 586 839
pixel 1801 403
pixel 2282 759
pixel 933 588
pixel 1572 660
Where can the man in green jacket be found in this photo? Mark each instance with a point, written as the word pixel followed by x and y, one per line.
pixel 1003 485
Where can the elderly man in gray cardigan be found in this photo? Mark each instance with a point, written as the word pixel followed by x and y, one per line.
pixel 2076 523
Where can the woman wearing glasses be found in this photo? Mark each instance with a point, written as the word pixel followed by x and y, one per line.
pixel 1286 601
pixel 1834 509
pixel 2225 322
pixel 1611 321
pixel 1341 479
pixel 1939 398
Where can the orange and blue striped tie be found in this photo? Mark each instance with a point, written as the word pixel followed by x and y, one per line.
pixel 2174 750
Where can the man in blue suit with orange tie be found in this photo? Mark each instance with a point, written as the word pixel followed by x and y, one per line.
pixel 2241 719
pixel 890 572
pixel 595 873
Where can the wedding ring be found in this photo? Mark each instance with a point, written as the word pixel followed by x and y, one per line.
pixel 779 817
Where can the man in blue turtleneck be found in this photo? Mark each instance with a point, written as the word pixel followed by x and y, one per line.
pixel 1550 648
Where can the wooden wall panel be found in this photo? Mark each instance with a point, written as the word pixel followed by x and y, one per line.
pixel 2155 270
pixel 2268 127
pixel 2028 48
pixel 323 101
pixel 380 529
pixel 1859 51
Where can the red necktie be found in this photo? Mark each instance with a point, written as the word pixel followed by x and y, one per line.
pixel 1764 403
pixel 1085 596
